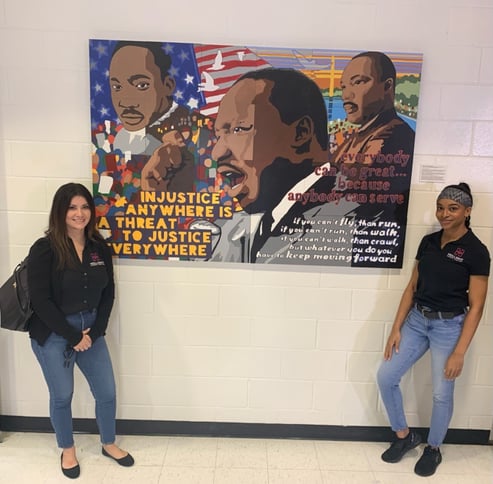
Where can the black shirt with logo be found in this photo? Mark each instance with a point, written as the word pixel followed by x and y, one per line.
pixel 83 285
pixel 443 280
pixel 56 293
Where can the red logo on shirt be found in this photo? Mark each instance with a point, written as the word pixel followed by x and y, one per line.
pixel 457 255
pixel 459 252
pixel 96 260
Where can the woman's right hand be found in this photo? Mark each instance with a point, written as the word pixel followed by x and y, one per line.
pixel 85 343
pixel 393 342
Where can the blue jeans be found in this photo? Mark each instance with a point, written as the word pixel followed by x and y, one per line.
pixel 418 334
pixel 57 363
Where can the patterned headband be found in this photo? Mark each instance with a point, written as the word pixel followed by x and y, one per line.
pixel 457 195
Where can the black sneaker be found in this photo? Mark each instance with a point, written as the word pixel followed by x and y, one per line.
pixel 428 462
pixel 399 447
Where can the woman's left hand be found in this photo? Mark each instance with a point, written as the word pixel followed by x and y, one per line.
pixel 454 365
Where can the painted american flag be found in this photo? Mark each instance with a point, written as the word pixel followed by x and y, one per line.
pixel 219 67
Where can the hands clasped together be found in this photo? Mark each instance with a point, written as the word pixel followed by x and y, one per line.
pixel 85 343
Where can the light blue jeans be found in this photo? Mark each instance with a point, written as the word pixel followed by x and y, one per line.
pixel 57 363
pixel 418 334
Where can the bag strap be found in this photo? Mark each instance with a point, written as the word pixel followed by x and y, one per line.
pixel 24 305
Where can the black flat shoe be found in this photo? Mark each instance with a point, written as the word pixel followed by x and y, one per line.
pixel 73 472
pixel 126 461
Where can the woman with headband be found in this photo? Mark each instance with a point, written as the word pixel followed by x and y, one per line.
pixel 440 310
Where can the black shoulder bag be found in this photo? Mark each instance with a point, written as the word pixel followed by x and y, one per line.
pixel 15 304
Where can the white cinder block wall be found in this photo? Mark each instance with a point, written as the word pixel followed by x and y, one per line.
pixel 204 342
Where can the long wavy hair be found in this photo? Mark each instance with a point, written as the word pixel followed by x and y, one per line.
pixel 57 226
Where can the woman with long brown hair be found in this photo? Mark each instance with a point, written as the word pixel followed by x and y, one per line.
pixel 70 279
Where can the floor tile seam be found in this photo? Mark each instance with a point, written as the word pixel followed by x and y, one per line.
pixel 317 454
pixel 485 473
pixel 165 452
pixel 226 469
pixel 177 466
pixel 240 467
pixel 161 474
pixel 266 447
pixel 214 467
pixel 355 471
pixel 322 463
pixel 270 472
pixel 294 468
pixel 216 441
pixel 347 468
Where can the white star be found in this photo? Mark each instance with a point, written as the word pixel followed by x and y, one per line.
pixel 168 49
pixel 189 79
pixel 101 50
pixel 193 103
pixel 104 111
pixel 173 72
pixel 178 94
pixel 98 87
pixel 183 55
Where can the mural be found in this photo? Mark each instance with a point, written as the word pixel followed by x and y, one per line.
pixel 253 155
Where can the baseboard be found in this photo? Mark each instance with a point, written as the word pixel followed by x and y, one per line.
pixel 11 423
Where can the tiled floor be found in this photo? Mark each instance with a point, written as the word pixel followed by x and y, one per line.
pixel 33 458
